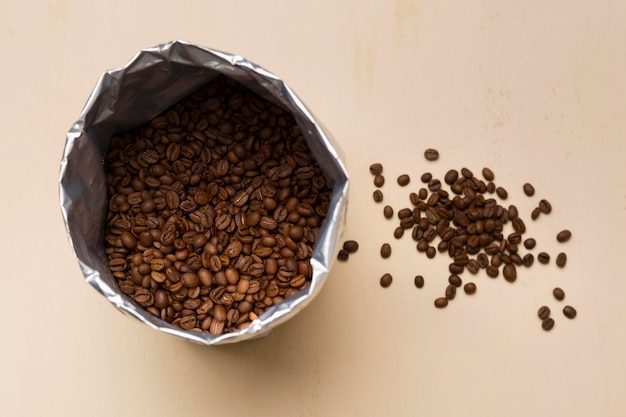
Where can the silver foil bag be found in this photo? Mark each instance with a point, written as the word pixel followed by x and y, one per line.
pixel 124 98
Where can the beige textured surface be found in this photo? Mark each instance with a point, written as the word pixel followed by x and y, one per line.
pixel 536 91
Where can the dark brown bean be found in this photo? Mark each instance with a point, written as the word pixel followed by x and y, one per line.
pixel 398 232
pixel 530 243
pixel 502 193
pixel 450 292
pixel 388 212
pixel 404 180
pixel 431 154
pixel 535 213
pixel 419 281
pixel 343 255
pixel 547 324
pixel 543 312
pixel 561 260
pixel 488 174
pixel 528 259
pixel 451 176
pixel 558 293
pixel 385 250
pixel 379 180
pixel 455 280
pixel 376 168
pixel 426 177
pixel 441 302
pixel 351 246
pixel 492 271
pixel 469 288
pixel 545 206
pixel 466 173
pixel 509 272
pixel 385 280
pixel 563 236
pixel 569 312
pixel 378 196
pixel 529 190
pixel 543 258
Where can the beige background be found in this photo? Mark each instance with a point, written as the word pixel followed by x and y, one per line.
pixel 536 90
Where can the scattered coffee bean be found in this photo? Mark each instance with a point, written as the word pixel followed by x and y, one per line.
pixel 502 193
pixel 545 206
pixel 376 169
pixel 385 280
pixel 441 302
pixel 431 252
pixel 419 281
pixel 403 180
pixel 422 193
pixel 469 288
pixel 492 271
pixel 431 154
pixel 513 213
pixel 466 173
pixel 547 324
pixel 535 214
pixel 398 232
pixel 543 258
pixel 426 177
pixel 434 185
pixel 530 243
pixel 450 292
pixel 343 255
pixel 388 212
pixel 451 176
pixel 455 280
pixel 561 260
pixel 378 196
pixel 385 250
pixel 351 246
pixel 488 174
pixel 563 236
pixel 379 180
pixel 569 312
pixel 544 312
pixel 529 190
pixel 528 260
pixel 509 272
pixel 558 293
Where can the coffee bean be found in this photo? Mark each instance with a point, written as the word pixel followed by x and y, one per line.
pixel 569 312
pixel 431 154
pixel 376 169
pixel 419 281
pixel 455 280
pixel 528 259
pixel 426 177
pixel 529 190
pixel 547 324
pixel 451 176
pixel 563 236
pixel 509 272
pixel 535 214
pixel 518 225
pixel 513 213
pixel 441 302
pixel 388 212
pixel 398 232
pixel 351 246
pixel 385 250
pixel 469 288
pixel 561 260
pixel 405 213
pixel 488 174
pixel 492 271
pixel 543 312
pixel 502 193
pixel 543 258
pixel 545 206
pixel 466 173
pixel 378 196
pixel 434 185
pixel 403 180
pixel 379 180
pixel 558 293
pixel 385 280
pixel 530 243
pixel 431 252
pixel 422 193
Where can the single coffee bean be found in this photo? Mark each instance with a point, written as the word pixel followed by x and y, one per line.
pixel 488 174
pixel 535 214
pixel 455 280
pixel 528 259
pixel 473 266
pixel 405 213
pixel 530 243
pixel 561 260
pixel 426 177
pixel 403 180
pixel 450 292
pixel 441 302
pixel 419 281
pixel 545 206
pixel 431 252
pixel 343 255
pixel 502 193
pixel 509 272
pixel 558 293
pixel 451 176
pixel 529 190
pixel 518 225
pixel 379 180
pixel 388 212
pixel 547 324
pixel 466 173
pixel 434 185
pixel 513 213
pixel 385 280
pixel 563 236
pixel 491 187
pixel 543 312
pixel 569 312
pixel 422 193
pixel 385 250
pixel 376 169
pixel 492 271
pixel 431 154
pixel 543 258
pixel 378 196
pixel 469 288
pixel 351 246
pixel 398 232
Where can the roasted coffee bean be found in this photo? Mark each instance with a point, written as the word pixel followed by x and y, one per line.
pixel 379 180
pixel 422 193
pixel 385 280
pixel 403 180
pixel 547 324
pixel 351 246
pixel 513 213
pixel 385 250
pixel 535 213
pixel 561 260
pixel 441 302
pixel 343 255
pixel 431 154
pixel 378 196
pixel 543 258
pixel 405 213
pixel 472 266
pixel 434 185
pixel 455 280
pixel 469 288
pixel 529 190
pixel 419 281
pixel 426 177
pixel 530 243
pixel 563 236
pixel 376 169
pixel 398 232
pixel 502 193
pixel 543 312
pixel 509 272
pixel 488 174
pixel 545 206
pixel 466 173
pixel 451 176
pixel 558 293
pixel 528 259
pixel 569 312
pixel 492 271
pixel 518 225
pixel 388 212
pixel 450 292
pixel 431 252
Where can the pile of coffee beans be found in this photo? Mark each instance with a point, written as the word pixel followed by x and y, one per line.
pixel 467 222
pixel 214 209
